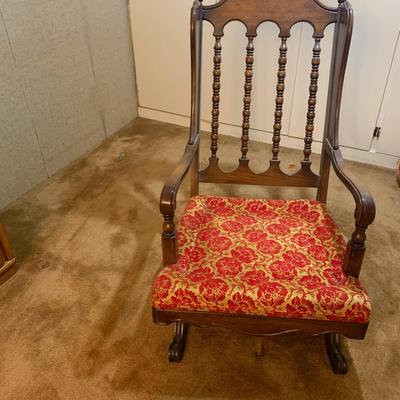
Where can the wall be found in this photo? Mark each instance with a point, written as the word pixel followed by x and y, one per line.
pixel 164 93
pixel 67 82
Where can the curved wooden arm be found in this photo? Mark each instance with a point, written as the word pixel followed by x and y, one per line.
pixel 171 187
pixel 365 205
pixel 364 214
pixel 168 202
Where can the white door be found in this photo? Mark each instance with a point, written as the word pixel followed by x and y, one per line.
pixel 376 27
pixel 389 116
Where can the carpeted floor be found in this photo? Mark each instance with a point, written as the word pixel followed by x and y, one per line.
pixel 75 321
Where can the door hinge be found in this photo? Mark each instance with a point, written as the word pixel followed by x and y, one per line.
pixel 375 137
pixel 377 132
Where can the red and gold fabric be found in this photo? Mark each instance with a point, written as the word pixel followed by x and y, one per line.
pixel 276 258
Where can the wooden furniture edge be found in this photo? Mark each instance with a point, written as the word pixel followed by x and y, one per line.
pixel 365 204
pixel 7 270
pixel 168 201
pixel 364 213
pixel 259 325
pixel 173 183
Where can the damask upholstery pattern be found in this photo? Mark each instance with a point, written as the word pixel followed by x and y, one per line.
pixel 275 258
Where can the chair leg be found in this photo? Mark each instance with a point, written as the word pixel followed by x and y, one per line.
pixel 259 348
pixel 336 357
pixel 177 346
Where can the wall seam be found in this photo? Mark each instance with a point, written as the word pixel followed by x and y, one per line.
pixel 35 131
pixel 86 29
pixel 295 80
pixel 136 87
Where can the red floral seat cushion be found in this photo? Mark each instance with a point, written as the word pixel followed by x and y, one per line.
pixel 276 258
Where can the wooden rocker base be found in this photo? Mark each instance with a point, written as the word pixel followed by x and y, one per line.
pixel 177 346
pixel 336 358
pixel 260 326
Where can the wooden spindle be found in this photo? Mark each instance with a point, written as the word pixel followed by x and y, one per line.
pixel 280 89
pixel 312 100
pixel 247 97
pixel 216 96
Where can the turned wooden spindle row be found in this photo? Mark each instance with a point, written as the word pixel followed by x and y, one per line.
pixel 279 100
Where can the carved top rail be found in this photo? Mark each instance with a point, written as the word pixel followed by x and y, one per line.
pixel 285 13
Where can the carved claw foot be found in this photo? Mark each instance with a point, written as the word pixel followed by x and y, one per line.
pixel 177 346
pixel 336 357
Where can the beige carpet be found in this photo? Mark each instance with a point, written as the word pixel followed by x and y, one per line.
pixel 75 321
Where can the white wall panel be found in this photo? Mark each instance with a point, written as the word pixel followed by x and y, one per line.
pixel 300 101
pixel 162 49
pixel 162 55
pixel 389 118
pixel 374 38
pixel 376 26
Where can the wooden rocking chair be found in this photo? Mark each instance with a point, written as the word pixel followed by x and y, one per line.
pixel 265 267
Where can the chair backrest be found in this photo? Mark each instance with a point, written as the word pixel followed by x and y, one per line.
pixel 284 13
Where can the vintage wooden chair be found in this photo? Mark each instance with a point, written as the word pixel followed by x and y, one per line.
pixel 265 267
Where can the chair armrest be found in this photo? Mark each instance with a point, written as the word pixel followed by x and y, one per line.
pixel 173 183
pixel 168 202
pixel 365 206
pixel 364 214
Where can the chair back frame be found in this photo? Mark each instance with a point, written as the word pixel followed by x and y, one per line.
pixel 284 13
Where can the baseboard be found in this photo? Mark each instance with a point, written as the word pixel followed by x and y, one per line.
pixel 349 153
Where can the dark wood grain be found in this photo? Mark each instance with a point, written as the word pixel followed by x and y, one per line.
pixel 280 90
pixel 312 99
pixel 216 97
pixel 168 202
pixel 177 346
pixel 260 326
pixel 340 53
pixel 364 214
pixel 336 357
pixel 196 32
pixel 285 13
pixel 271 177
pixel 247 99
